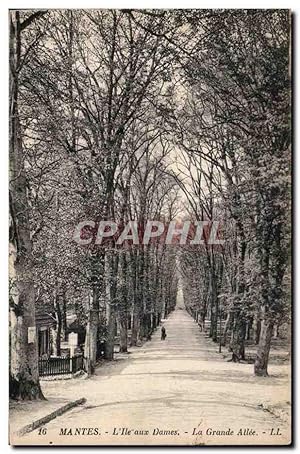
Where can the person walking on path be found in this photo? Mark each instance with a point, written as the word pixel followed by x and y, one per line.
pixel 163 333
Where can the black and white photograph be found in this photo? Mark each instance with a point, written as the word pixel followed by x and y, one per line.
pixel 150 227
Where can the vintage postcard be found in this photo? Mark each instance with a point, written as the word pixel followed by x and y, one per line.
pixel 150 227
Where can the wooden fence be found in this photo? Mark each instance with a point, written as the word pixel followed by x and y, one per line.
pixel 61 366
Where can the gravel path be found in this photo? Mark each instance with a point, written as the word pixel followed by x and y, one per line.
pixel 177 391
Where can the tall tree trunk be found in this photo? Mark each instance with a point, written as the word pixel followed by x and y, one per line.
pixel 214 308
pixel 92 331
pixel 110 340
pixel 143 326
pixel 135 332
pixel 238 339
pixel 91 340
pixel 57 332
pixel 24 373
pixel 97 286
pixel 111 263
pixel 256 328
pixel 123 332
pixel 263 350
pixel 123 306
pixel 248 330
pixel 135 326
pixel 228 323
pixel 64 316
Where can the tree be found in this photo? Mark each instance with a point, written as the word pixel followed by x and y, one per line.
pixel 24 375
pixel 243 116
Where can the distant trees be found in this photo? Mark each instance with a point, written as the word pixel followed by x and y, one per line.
pixel 88 116
pixel 237 119
pixel 129 115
